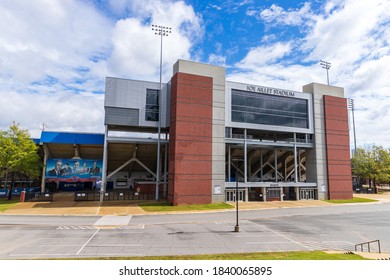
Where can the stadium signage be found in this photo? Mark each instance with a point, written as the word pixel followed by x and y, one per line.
pixel 273 91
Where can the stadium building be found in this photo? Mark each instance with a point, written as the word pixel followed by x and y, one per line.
pixel 275 144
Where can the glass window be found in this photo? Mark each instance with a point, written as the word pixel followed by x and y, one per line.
pixel 258 108
pixel 152 107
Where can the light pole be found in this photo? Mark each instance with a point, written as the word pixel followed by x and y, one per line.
pixel 326 65
pixel 351 105
pixel 160 31
pixel 237 227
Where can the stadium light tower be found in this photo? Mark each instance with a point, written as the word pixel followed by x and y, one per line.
pixel 160 31
pixel 326 65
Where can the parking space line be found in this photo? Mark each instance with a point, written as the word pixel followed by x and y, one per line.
pixel 88 241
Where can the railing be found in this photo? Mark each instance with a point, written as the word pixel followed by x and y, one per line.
pixel 368 245
pixel 285 140
pixel 38 196
pixel 115 195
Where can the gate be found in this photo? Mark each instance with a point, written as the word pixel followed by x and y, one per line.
pixel 231 195
pixel 308 194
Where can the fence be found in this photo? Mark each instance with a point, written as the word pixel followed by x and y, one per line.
pixel 115 195
pixel 29 196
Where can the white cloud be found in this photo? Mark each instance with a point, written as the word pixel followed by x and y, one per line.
pixel 277 15
pixel 263 55
pixel 61 110
pixel 39 38
pixel 217 60
pixel 136 47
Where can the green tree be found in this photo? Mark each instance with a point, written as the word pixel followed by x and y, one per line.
pixel 372 163
pixel 18 155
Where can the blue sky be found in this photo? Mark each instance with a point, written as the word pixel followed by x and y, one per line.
pixel 55 55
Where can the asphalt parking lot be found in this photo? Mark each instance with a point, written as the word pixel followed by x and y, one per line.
pixel 281 227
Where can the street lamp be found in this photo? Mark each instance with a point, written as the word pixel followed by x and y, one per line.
pixel 160 31
pixel 326 65
pixel 237 227
pixel 351 106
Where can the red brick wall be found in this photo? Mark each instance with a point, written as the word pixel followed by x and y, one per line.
pixel 337 148
pixel 190 142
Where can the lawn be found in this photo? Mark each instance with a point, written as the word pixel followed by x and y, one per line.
pixel 7 204
pixel 353 200
pixel 298 255
pixel 165 207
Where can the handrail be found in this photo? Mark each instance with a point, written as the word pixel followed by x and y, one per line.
pixel 368 244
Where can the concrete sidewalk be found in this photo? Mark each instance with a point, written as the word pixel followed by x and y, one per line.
pixel 64 204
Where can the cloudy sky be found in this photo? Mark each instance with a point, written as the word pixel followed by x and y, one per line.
pixel 55 54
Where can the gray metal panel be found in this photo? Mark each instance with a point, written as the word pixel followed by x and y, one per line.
pixel 125 93
pixel 121 116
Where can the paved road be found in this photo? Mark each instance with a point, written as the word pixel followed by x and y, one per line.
pixel 316 228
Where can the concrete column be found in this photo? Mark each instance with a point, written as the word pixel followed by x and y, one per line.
pixel 245 158
pixel 104 167
pixel 297 193
pixel 229 163
pixel 264 191
pixel 261 165
pixel 276 164
pixel 295 159
pixel 299 166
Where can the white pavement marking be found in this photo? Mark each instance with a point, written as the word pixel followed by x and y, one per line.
pixel 88 241
pixel 113 221
pixel 128 227
pixel 286 237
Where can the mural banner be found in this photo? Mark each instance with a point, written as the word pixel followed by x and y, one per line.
pixel 73 169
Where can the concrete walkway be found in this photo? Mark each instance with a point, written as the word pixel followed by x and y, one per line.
pixel 64 204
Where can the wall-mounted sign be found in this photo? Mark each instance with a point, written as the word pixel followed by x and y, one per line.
pixel 73 169
pixel 273 91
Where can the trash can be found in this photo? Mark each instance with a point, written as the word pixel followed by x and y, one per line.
pixel 22 196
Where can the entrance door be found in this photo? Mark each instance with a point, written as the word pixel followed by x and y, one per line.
pixel 307 194
pixel 230 195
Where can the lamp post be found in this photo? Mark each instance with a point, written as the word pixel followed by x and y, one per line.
pixel 237 226
pixel 160 31
pixel 351 106
pixel 326 65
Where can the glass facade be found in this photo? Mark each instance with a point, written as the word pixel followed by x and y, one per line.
pixel 152 106
pixel 266 109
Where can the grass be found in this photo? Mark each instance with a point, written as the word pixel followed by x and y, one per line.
pixel 7 204
pixel 165 207
pixel 353 200
pixel 296 255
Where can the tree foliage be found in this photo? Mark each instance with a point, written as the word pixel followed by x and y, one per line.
pixel 372 163
pixel 19 153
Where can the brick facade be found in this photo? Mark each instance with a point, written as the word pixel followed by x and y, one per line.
pixel 190 145
pixel 337 147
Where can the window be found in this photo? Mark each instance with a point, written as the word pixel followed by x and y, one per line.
pixel 121 182
pixel 152 106
pixel 258 108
